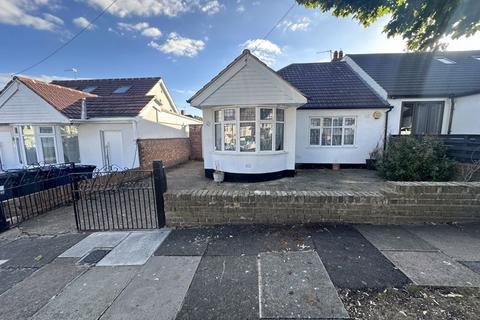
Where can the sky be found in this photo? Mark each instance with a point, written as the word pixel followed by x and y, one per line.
pixel 185 42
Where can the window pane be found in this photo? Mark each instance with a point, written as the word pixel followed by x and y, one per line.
pixel 69 130
pixel 30 149
pixel 247 137
pixel 327 122
pixel 217 115
pixel 406 119
pixel 229 114
pixel 27 130
pixel 71 150
pixel 266 114
pixel 315 122
pixel 280 115
pixel 337 122
pixel 247 114
pixel 48 149
pixel 230 137
pixel 18 146
pixel 349 136
pixel 265 136
pixel 337 137
pixel 279 137
pixel 315 137
pixel 47 130
pixel 326 137
pixel 349 121
pixel 218 137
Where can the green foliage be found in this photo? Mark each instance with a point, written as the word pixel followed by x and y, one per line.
pixel 422 23
pixel 409 158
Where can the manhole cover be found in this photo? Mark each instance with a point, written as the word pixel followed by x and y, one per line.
pixel 95 256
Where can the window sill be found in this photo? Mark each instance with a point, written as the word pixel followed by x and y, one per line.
pixel 333 147
pixel 259 153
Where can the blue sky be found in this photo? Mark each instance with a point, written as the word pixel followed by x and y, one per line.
pixel 186 42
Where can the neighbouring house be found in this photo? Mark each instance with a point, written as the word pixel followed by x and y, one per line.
pixel 110 123
pixel 260 124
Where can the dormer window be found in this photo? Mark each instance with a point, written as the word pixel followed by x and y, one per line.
pixel 89 89
pixel 445 60
pixel 121 89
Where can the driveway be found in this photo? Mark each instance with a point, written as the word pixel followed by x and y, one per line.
pixel 243 272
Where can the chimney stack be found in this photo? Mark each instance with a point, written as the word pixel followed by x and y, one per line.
pixel 83 115
pixel 335 55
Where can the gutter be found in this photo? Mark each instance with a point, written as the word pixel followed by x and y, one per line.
pixel 386 127
pixel 450 118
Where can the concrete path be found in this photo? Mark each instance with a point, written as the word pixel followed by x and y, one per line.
pixel 157 291
pixel 296 285
pixel 246 272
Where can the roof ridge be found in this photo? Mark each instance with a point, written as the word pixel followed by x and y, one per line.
pixel 104 79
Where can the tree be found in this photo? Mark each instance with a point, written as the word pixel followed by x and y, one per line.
pixel 422 23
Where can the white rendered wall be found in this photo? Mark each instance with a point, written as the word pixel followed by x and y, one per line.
pixel 246 162
pixel 466 116
pixel 91 147
pixel 368 133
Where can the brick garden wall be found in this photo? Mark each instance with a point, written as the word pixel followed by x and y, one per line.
pixel 399 203
pixel 171 151
pixel 195 132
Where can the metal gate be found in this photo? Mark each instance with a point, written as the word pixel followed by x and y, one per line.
pixel 119 200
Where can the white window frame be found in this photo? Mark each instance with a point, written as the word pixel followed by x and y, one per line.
pixel 60 144
pixel 237 121
pixel 321 127
pixel 38 141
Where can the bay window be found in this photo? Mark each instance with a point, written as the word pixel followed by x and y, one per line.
pixel 332 131
pixel 235 129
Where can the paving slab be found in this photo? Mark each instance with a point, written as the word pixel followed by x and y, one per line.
pixel 96 240
pixel 450 240
pixel 254 239
pixel 433 269
pixel 353 262
pixel 224 287
pixel 94 257
pixel 35 252
pixel 185 242
pixel 157 291
pixel 472 265
pixel 9 277
pixel 394 238
pixel 296 285
pixel 89 295
pixel 135 249
pixel 27 297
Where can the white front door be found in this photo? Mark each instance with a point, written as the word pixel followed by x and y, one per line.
pixel 112 149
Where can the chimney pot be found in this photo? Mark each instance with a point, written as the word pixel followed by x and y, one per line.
pixel 182 112
pixel 335 55
pixel 340 55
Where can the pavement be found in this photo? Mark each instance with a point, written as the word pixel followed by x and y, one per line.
pixel 227 272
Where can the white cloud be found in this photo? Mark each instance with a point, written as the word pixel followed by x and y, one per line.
pixel 133 27
pixel 211 7
pixel 147 8
pixel 83 22
pixel 142 27
pixel 265 50
pixel 241 8
pixel 179 46
pixel 151 32
pixel 22 13
pixel 299 25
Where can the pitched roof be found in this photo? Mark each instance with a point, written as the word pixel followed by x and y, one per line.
pixel 331 85
pixel 421 74
pixel 109 106
pixel 106 87
pixel 57 96
pixel 68 101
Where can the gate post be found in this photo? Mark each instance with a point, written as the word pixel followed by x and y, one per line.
pixel 160 187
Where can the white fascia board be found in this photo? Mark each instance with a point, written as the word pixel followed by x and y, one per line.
pixel 9 92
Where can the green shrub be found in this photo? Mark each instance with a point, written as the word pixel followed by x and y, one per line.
pixel 409 158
